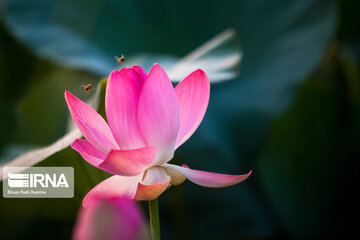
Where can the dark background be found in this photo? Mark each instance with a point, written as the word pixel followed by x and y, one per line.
pixel 292 115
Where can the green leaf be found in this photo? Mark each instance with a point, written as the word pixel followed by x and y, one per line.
pixel 219 57
pixel 310 160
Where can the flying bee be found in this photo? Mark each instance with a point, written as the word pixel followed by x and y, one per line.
pixel 88 88
pixel 120 59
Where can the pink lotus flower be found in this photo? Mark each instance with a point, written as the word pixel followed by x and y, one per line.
pixel 148 120
pixel 111 219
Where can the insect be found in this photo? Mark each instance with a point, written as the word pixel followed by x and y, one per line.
pixel 88 88
pixel 120 59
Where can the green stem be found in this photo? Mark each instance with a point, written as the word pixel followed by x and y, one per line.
pixel 154 219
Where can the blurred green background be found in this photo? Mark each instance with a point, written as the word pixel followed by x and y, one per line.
pixel 292 115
